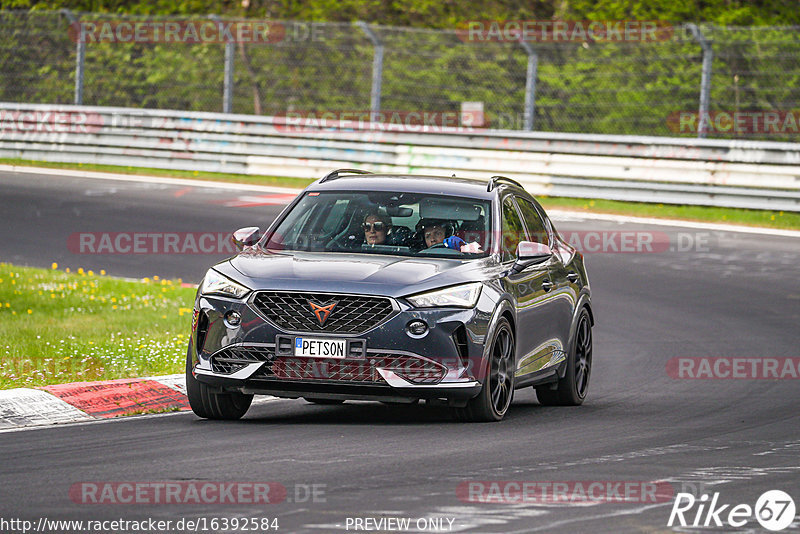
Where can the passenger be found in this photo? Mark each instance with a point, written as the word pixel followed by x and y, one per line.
pixel 376 227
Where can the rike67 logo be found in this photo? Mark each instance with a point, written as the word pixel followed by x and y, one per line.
pixel 774 510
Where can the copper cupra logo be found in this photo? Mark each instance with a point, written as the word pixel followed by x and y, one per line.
pixel 322 312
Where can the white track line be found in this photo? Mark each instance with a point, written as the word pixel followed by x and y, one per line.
pixel 555 213
pixel 185 182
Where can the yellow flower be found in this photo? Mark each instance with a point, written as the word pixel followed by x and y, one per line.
pixel 114 307
pixel 113 299
pixel 66 270
pixel 80 270
pixel 102 272
pixel 54 265
pixel 30 311
pixel 90 273
pixel 155 277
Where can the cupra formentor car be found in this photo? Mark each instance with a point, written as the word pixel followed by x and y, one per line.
pixel 395 288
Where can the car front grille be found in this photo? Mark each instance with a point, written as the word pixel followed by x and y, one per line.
pixel 414 369
pixel 351 314
pixel 235 358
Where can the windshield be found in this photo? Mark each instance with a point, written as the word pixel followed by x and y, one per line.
pixel 380 222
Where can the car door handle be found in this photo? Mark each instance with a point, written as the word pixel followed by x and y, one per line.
pixel 572 277
pixel 547 285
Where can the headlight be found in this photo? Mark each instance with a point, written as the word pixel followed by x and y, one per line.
pixel 216 284
pixel 463 296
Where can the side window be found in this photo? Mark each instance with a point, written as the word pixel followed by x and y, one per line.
pixel 513 231
pixel 536 229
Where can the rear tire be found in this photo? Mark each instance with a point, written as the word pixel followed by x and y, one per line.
pixel 208 404
pixel 571 390
pixel 497 392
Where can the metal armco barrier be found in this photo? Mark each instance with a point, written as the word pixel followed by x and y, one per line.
pixel 735 173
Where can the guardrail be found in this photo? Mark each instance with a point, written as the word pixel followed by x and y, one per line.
pixel 735 173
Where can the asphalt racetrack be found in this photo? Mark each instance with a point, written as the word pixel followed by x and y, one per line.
pixel 707 294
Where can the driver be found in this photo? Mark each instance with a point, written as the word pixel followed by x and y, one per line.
pixel 433 232
pixel 376 227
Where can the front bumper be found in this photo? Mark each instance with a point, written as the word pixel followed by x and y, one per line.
pixel 382 363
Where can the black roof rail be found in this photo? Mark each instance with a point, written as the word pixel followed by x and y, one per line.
pixel 494 179
pixel 335 174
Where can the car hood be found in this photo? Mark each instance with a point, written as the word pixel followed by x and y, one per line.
pixel 370 274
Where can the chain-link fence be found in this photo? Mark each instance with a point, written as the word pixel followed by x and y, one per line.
pixel 745 78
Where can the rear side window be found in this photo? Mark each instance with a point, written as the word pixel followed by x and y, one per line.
pixel 513 231
pixel 536 229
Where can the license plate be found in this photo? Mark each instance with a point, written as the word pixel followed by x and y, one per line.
pixel 320 348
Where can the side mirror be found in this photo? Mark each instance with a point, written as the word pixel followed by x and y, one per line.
pixel 531 253
pixel 246 237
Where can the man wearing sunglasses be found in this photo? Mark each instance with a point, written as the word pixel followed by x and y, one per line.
pixel 376 227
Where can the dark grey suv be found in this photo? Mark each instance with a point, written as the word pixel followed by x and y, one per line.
pixel 395 288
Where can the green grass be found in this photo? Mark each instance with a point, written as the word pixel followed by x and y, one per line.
pixel 769 219
pixel 58 327
pixel 277 181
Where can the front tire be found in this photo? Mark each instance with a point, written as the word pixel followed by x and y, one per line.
pixel 208 404
pixel 572 389
pixel 497 392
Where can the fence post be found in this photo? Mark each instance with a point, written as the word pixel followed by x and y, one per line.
pixel 530 84
pixel 80 56
pixel 705 81
pixel 227 81
pixel 377 70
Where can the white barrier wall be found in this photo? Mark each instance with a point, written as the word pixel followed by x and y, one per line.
pixel 749 174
